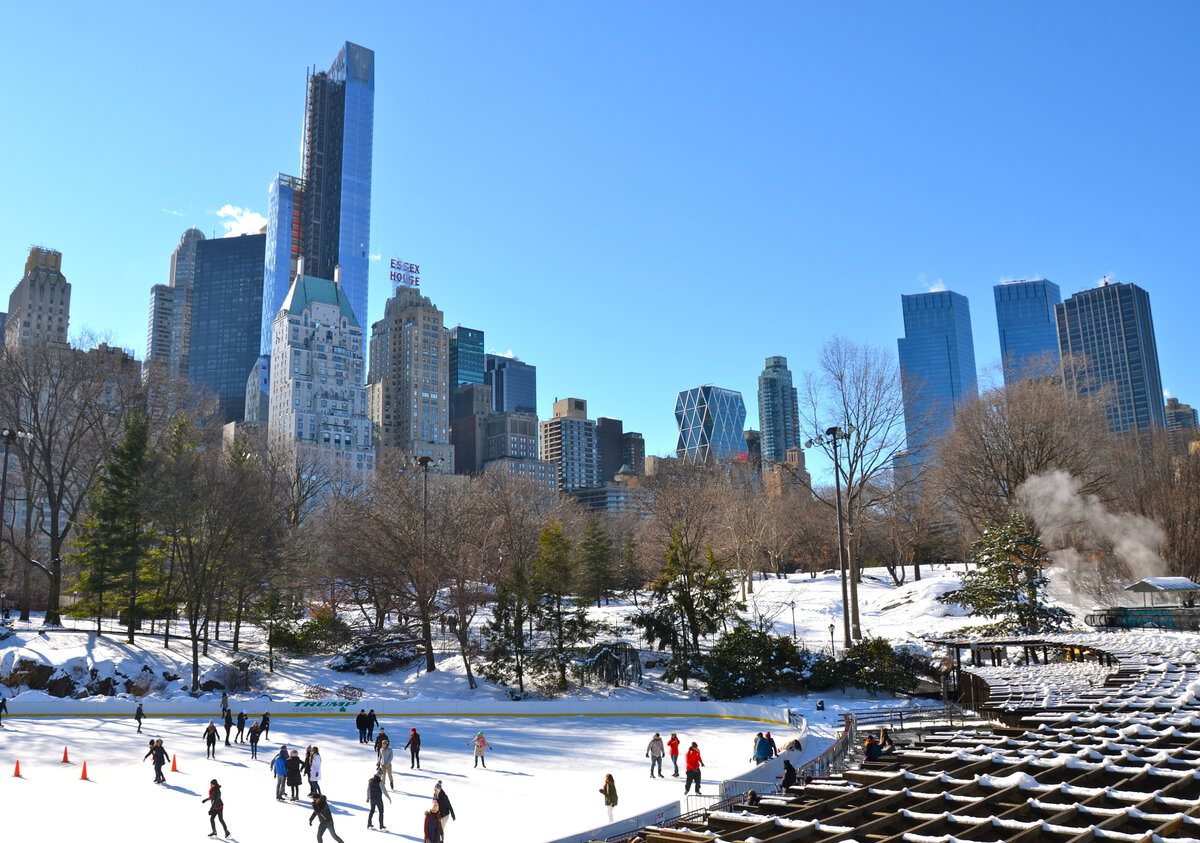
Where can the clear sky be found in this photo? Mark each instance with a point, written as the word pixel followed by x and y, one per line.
pixel 635 197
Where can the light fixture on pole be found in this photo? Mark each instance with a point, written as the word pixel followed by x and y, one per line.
pixel 832 436
pixel 424 460
pixel 793 605
pixel 832 646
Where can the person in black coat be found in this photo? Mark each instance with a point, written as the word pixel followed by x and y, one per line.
pixel 255 731
pixel 414 748
pixel 321 811
pixel 295 777
pixel 372 722
pixel 216 809
pixel 241 727
pixel 445 809
pixel 789 775
pixel 266 725
pixel 375 793
pixel 4 711
pixel 138 715
pixel 361 722
pixel 158 756
pixel 228 725
pixel 210 740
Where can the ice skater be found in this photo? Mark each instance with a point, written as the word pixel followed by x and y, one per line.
pixel 216 809
pixel 372 722
pixel 266 725
pixel 445 809
pixel 610 795
pixel 255 731
pixel 385 764
pixel 295 770
pixel 228 722
pixel 241 727
pixel 480 744
pixel 210 740
pixel 279 770
pixel 138 715
pixel 321 812
pixel 360 722
pixel 158 756
pixel 414 748
pixel 380 740
pixel 433 826
pixel 655 752
pixel 692 763
pixel 314 772
pixel 673 744
pixel 375 793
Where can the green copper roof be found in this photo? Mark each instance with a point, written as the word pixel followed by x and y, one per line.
pixel 307 288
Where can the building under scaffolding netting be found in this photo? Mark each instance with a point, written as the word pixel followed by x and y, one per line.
pixel 1167 603
pixel 614 663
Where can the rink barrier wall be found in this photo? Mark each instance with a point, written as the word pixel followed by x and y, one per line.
pixel 37 704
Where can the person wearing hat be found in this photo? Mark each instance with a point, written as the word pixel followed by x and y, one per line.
pixel 692 764
pixel 445 809
pixel 321 811
pixel 279 770
pixel 655 752
pixel 752 797
pixel 414 748
pixel 480 744
pixel 379 741
pixel 771 743
pixel 294 768
pixel 216 808
pixel 210 740
pixel 433 826
pixel 673 745
pixel 375 793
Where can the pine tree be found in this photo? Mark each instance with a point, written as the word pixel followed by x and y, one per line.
pixel 116 547
pixel 1008 582
pixel 597 579
pixel 556 611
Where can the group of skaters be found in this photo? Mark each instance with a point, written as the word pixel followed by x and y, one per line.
pixel 692 762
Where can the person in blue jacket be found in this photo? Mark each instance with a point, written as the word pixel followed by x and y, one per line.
pixel 279 769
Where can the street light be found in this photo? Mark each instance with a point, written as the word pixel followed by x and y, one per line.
pixel 424 460
pixel 831 437
pixel 832 646
pixel 793 605
pixel 10 436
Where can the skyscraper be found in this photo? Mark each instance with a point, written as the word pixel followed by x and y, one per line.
pixel 937 366
pixel 1028 331
pixel 409 383
pixel 1110 331
pixel 569 440
pixel 39 308
pixel 1182 422
pixel 466 356
pixel 712 424
pixel 609 436
pixel 226 296
pixel 778 410
pixel 324 216
pixel 513 383
pixel 318 401
pixel 169 336
pixel 633 451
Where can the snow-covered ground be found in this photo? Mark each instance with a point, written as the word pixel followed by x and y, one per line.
pixel 543 777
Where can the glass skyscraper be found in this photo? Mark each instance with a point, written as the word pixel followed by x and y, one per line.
pixel 226 308
pixel 513 383
pixel 466 356
pixel 1110 330
pixel 937 365
pixel 324 216
pixel 778 410
pixel 1028 331
pixel 712 423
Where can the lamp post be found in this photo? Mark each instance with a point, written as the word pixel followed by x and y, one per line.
pixel 832 436
pixel 10 436
pixel 424 461
pixel 832 646
pixel 793 605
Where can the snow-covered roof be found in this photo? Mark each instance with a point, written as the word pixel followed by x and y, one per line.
pixel 1164 584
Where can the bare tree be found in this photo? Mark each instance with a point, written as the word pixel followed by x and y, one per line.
pixel 857 388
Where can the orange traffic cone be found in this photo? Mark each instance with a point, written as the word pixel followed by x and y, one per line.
pixel 17 772
pixel 174 769
pixel 84 776
pixel 65 759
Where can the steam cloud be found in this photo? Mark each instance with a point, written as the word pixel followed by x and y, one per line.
pixel 1055 501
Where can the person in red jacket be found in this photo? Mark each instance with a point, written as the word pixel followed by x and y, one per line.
pixel 693 764
pixel 673 743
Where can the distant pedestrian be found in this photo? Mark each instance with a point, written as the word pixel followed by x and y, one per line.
pixel 321 811
pixel 314 772
pixel 216 808
pixel 279 770
pixel 361 722
pixel 433 826
pixel 4 711
pixel 655 752
pixel 414 748
pixel 762 749
pixel 294 774
pixel 445 809
pixel 266 725
pixel 375 793
pixel 210 740
pixel 255 732
pixel 380 739
pixel 158 757
pixel 385 764
pixel 693 763
pixel 673 745
pixel 771 743
pixel 224 702
pixel 610 795
pixel 228 725
pixel 480 744
pixel 241 727
pixel 138 715
pixel 372 722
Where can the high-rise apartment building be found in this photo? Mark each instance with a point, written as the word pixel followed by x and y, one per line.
pixel 513 383
pixel 609 436
pixel 512 448
pixel 633 452
pixel 470 407
pixel 324 215
pixel 712 424
pixel 318 400
pixel 569 440
pixel 778 410
pixel 39 308
pixel 1109 330
pixel 1028 331
pixel 466 356
pixel 410 378
pixel 169 336
pixel 225 315
pixel 1182 422
pixel 937 366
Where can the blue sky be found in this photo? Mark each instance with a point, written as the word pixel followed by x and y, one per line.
pixel 636 197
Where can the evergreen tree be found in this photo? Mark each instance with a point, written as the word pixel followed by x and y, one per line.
pixel 116 547
pixel 630 577
pixel 556 611
pixel 597 579
pixel 691 598
pixel 506 632
pixel 1008 582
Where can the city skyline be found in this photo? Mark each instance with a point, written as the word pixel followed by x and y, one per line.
pixel 691 165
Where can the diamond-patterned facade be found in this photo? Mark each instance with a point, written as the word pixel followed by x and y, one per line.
pixel 711 423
